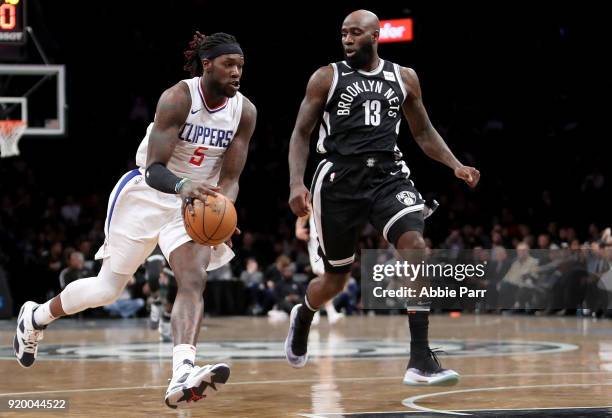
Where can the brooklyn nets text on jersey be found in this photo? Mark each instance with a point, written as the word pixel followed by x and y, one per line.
pixel 363 110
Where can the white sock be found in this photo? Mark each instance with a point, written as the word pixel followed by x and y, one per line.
pixel 42 314
pixel 180 353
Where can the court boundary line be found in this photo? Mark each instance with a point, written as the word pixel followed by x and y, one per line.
pixel 290 381
pixel 143 324
pixel 411 401
pixel 326 414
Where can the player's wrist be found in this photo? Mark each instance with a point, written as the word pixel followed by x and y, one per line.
pixel 180 185
pixel 294 184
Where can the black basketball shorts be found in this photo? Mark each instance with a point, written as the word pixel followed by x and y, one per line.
pixel 348 192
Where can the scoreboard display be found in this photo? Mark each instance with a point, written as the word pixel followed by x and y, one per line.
pixel 12 22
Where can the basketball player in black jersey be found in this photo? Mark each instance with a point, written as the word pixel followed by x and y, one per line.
pixel 363 178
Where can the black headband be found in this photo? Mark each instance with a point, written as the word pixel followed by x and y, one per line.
pixel 222 49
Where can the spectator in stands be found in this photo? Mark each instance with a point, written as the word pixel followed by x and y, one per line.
pixel 273 273
pixel 244 251
pixel 515 287
pixel 553 232
pixel 126 306
pixel 71 210
pixel 86 248
pixel 347 301
pixel 541 251
pixel 593 234
pixel 52 264
pixel 495 271
pixel 497 239
pixel 288 292
pixel 76 269
pixel 258 296
pixel 598 264
pixel 605 283
pixel 454 242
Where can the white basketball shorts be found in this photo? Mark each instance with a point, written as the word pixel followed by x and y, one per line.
pixel 140 217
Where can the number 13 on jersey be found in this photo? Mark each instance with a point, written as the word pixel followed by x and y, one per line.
pixel 198 156
pixel 372 112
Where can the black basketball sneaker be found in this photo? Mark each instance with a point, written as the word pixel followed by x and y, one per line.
pixel 424 369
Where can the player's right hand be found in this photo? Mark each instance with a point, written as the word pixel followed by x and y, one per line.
pixel 298 200
pixel 468 174
pixel 191 190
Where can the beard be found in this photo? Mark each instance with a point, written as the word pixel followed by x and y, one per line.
pixel 362 56
pixel 215 86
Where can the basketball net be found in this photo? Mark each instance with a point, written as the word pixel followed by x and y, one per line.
pixel 10 134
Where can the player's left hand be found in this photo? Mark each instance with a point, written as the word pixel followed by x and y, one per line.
pixel 468 174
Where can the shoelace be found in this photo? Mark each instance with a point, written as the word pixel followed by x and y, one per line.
pixel 31 339
pixel 434 354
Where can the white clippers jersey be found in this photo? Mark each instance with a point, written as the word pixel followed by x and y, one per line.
pixel 204 138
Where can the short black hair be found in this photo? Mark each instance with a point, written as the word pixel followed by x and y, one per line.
pixel 200 43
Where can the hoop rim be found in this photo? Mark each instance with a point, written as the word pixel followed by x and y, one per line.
pixel 12 122
pixel 8 127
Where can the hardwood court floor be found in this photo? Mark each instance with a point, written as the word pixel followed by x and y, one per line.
pixel 117 368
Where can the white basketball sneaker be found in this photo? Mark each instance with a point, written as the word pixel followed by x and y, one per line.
pixel 195 384
pixel 427 371
pixel 27 337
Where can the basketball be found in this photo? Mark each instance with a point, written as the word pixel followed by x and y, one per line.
pixel 212 223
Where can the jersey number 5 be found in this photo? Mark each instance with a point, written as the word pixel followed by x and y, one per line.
pixel 372 112
pixel 198 156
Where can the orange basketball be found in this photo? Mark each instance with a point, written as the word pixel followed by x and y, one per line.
pixel 213 223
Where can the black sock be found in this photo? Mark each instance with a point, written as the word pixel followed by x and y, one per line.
pixel 419 330
pixel 305 313
pixel 299 345
pixel 420 358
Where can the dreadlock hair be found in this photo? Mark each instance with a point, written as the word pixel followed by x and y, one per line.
pixel 199 43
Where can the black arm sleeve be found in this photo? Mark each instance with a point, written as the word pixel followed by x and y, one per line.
pixel 160 178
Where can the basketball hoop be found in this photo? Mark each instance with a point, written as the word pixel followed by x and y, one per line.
pixel 10 134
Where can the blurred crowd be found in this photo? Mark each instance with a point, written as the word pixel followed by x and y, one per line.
pixel 549 278
pixel 48 240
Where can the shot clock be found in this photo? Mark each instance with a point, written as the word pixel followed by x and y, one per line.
pixel 12 22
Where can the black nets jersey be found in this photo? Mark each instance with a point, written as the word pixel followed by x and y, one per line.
pixel 363 110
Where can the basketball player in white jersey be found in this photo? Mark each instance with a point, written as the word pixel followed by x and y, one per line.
pixel 316 262
pixel 196 146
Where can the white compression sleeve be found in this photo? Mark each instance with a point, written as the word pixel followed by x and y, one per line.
pixel 92 292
